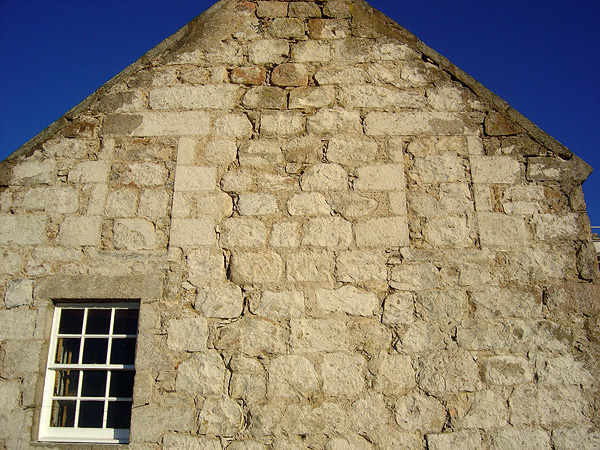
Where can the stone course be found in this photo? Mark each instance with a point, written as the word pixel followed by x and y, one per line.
pixel 338 241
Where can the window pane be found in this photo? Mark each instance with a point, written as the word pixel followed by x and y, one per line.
pixel 91 414
pixel 71 321
pixel 66 383
pixel 63 413
pixel 67 351
pixel 119 415
pixel 126 321
pixel 98 321
pixel 94 383
pixel 122 351
pixel 94 350
pixel 121 384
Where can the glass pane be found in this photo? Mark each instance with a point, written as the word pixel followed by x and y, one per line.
pixel 94 350
pixel 119 415
pixel 67 351
pixel 91 414
pixel 94 383
pixel 126 321
pixel 66 383
pixel 71 321
pixel 63 413
pixel 98 321
pixel 122 351
pixel 121 384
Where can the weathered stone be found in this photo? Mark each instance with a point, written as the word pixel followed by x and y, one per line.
pixel 249 75
pixel 287 28
pixel 343 374
pixel 309 267
pixel 379 97
pixel 233 126
pixel 79 231
pixel 324 177
pixel 184 442
pixel 388 177
pixel 337 8
pixel 418 412
pixel 290 74
pixel 279 305
pixel 122 203
pixel 246 445
pixel 577 438
pixel 547 406
pixel 34 172
pixel 18 293
pixel 281 123
pixel 494 302
pixel 256 204
pixel 272 9
pixel 242 233
pixel 52 199
pixel 561 370
pixel 201 374
pixel 204 266
pixel 216 96
pixel 495 169
pixel 370 415
pixel 22 230
pixel 340 75
pixel 224 301
pixel 268 51
pixel 526 439
pixel 349 300
pixel 306 149
pixel 448 304
pixel 255 268
pixel 555 169
pixel 480 410
pixel 499 230
pixel 134 234
pixel 312 97
pixel 144 174
pixel 394 374
pixel 334 121
pixel 328 29
pixel 417 123
pixel 359 266
pixel 311 51
pixel 328 232
pixel 163 418
pixel 442 168
pixel 89 172
pixel 447 232
pixel 167 123
pixel 187 233
pixel 352 205
pixel 11 263
pixel 195 178
pixel 458 439
pixel 451 198
pixel 308 204
pixel 318 335
pixel 253 336
pixel 506 370
pixel 444 372
pixel 285 234
pixel 220 151
pixel 398 308
pixel 415 276
pixel 292 376
pixel 345 150
pixel 187 335
pixel 260 153
pixel 383 232
pixel 304 9
pixel 267 97
pixel 220 417
pixel 497 124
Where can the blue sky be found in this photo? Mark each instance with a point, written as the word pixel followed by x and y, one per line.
pixel 542 57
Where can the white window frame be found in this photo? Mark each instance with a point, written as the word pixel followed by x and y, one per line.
pixel 75 434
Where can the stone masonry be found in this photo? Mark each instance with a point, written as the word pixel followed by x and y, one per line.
pixel 339 241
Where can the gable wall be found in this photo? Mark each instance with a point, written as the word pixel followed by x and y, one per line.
pixel 335 242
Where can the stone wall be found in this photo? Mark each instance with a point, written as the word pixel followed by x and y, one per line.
pixel 339 241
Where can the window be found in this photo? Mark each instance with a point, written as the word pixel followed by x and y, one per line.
pixel 89 380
